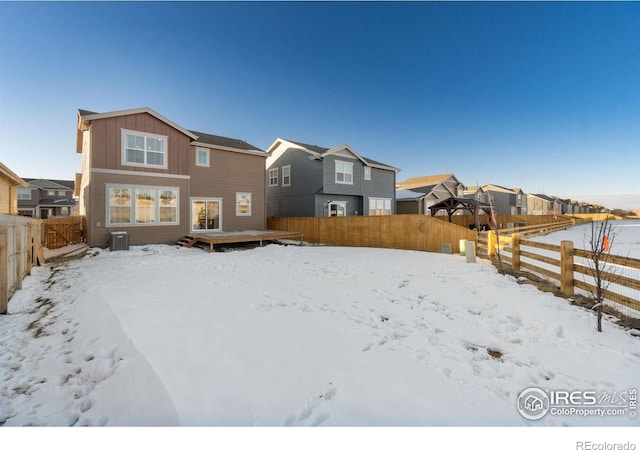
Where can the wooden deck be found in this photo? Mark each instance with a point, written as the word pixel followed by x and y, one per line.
pixel 230 237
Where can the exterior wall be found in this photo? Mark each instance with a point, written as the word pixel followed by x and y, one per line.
pixel 297 200
pixel 97 230
pixel 6 199
pixel 408 207
pixel 329 176
pixel 381 185
pixel 354 204
pixel 227 174
pixel 106 138
pixel 501 202
pixel 537 206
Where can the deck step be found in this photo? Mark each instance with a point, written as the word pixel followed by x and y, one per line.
pixel 187 241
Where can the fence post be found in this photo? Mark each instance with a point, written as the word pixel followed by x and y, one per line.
pixel 4 268
pixel 515 252
pixel 566 268
pixel 491 243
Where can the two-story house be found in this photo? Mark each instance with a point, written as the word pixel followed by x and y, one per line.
pixel 150 177
pixel 10 183
pixel 543 205
pixel 45 199
pixel 309 181
pixel 505 200
pixel 416 195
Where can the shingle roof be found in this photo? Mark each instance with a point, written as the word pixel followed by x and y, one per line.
pixel 51 184
pixel 429 180
pixel 222 141
pixel 322 150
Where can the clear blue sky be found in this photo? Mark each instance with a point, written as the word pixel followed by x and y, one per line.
pixel 539 95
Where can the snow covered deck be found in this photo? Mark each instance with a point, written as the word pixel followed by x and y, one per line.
pixel 229 237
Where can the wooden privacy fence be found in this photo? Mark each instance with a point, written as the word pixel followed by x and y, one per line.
pixel 562 262
pixel 19 250
pixel 405 231
pixel 61 231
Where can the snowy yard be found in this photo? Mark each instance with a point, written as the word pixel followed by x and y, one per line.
pixel 286 335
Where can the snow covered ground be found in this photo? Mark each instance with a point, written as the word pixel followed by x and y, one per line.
pixel 296 336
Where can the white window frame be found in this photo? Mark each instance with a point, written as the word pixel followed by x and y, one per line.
pixel 341 203
pixel 24 193
pixel 205 200
pixel 386 202
pixel 367 173
pixel 273 177
pixel 165 159
pixel 203 151
pixel 286 176
pixel 239 197
pixel 339 164
pixel 132 206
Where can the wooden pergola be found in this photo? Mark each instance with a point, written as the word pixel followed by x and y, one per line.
pixel 454 204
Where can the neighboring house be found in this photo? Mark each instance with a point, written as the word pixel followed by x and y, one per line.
pixel 505 200
pixel 9 185
pixel 417 195
pixel 575 207
pixel 45 199
pixel 475 193
pixel 144 174
pixel 542 205
pixel 309 181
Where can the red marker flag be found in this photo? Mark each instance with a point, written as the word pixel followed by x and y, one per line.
pixel 606 243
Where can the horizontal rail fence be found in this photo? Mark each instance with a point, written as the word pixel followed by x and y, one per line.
pixel 62 231
pixel 504 220
pixel 406 231
pixel 504 235
pixel 572 268
pixel 19 250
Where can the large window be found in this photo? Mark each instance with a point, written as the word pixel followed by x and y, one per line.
pixel 206 214
pixel 379 206
pixel 344 172
pixel 243 203
pixel 286 175
pixel 142 205
pixel 273 177
pixel 144 149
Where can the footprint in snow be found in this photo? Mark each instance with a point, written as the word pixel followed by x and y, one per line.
pixel 309 416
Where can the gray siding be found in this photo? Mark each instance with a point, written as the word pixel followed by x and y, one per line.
pixel 381 185
pixel 296 200
pixel 354 204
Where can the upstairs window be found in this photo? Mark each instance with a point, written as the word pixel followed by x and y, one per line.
pixel 24 193
pixel 144 149
pixel 273 177
pixel 344 172
pixel 202 157
pixel 367 173
pixel 286 175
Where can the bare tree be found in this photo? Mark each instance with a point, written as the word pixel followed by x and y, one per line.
pixel 601 240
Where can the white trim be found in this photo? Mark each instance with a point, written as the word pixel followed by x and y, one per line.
pixel 288 166
pixel 280 146
pixel 238 195
pixel 231 149
pixel 205 199
pixel 277 175
pixel 140 174
pixel 336 171
pixel 206 150
pixel 123 134
pixel 384 199
pixel 128 112
pixel 342 203
pixel 367 173
pixel 132 208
